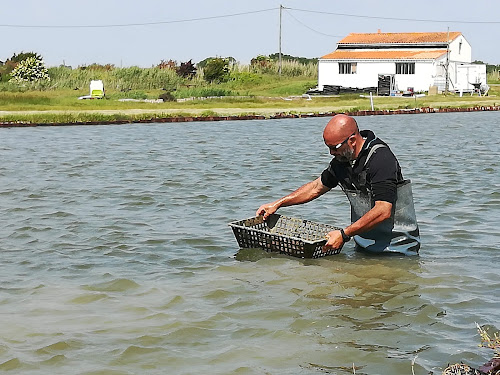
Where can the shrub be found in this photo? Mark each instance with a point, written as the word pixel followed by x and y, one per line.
pixel 167 97
pixel 170 64
pixel 186 70
pixel 217 70
pixel 23 56
pixel 203 92
pixel 30 70
pixel 97 67
pixel 262 64
pixel 6 69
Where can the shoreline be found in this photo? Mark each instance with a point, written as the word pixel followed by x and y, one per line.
pixel 269 115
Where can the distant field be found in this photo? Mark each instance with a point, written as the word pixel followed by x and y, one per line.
pixel 245 93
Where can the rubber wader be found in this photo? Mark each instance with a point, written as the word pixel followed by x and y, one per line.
pixel 399 233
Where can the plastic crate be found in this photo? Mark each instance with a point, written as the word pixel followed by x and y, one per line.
pixel 286 235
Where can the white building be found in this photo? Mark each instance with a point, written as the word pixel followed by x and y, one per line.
pixel 402 61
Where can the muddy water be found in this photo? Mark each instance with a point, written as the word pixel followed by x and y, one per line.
pixel 117 257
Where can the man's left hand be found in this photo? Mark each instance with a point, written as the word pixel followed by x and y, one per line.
pixel 335 242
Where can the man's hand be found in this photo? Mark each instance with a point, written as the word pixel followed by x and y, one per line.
pixel 335 242
pixel 266 210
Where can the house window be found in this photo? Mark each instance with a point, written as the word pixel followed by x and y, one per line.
pixel 405 68
pixel 347 68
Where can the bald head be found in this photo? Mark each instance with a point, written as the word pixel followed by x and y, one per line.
pixel 339 128
pixel 342 137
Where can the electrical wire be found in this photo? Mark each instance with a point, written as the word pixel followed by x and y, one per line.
pixel 392 18
pixel 310 28
pixel 250 12
pixel 138 24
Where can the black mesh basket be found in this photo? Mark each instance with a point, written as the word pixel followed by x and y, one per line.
pixel 286 235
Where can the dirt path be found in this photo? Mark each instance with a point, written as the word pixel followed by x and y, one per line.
pixel 492 101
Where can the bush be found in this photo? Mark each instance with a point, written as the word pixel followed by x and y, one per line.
pixel 262 64
pixel 170 64
pixel 247 77
pixel 23 56
pixel 6 69
pixel 217 70
pixel 30 70
pixel 203 92
pixel 186 70
pixel 97 67
pixel 167 97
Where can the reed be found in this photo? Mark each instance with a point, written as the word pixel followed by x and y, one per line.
pixel 131 78
pixel 288 69
pixel 493 76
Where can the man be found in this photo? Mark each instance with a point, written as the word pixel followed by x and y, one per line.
pixel 382 213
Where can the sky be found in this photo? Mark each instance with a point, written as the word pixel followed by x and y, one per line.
pixel 145 32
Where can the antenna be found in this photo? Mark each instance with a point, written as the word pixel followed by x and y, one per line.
pixel 279 48
pixel 447 61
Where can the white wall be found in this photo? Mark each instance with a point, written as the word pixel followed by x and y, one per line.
pixel 470 73
pixel 368 71
pixel 460 50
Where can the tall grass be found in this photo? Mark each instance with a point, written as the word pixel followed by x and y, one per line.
pixel 207 91
pixel 494 76
pixel 288 69
pixel 132 78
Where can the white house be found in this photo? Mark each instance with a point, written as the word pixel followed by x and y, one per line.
pixel 402 61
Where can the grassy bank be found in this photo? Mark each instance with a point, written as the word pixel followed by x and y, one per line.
pixel 248 91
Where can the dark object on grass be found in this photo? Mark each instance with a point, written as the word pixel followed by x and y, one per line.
pixel 167 97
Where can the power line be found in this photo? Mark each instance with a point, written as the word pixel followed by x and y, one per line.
pixel 310 28
pixel 246 13
pixel 138 24
pixel 393 18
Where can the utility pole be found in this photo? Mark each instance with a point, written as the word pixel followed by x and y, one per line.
pixel 447 62
pixel 279 49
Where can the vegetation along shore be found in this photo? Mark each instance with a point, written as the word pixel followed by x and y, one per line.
pixel 214 89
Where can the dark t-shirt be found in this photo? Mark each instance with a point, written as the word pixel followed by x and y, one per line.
pixel 379 176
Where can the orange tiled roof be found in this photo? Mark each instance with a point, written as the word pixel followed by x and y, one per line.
pixel 382 55
pixel 384 38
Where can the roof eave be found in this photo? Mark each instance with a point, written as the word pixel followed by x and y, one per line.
pixel 425 44
pixel 380 60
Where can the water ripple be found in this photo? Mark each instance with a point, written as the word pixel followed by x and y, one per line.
pixel 117 257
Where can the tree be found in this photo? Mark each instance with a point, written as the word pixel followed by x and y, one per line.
pixel 186 69
pixel 9 65
pixel 204 62
pixel 262 64
pixel 260 61
pixel 170 64
pixel 30 70
pixel 216 70
pixel 24 55
pixel 302 60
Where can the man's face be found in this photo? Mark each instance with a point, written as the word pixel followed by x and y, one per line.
pixel 344 154
pixel 342 151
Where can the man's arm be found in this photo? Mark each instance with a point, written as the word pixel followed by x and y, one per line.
pixel 303 194
pixel 381 211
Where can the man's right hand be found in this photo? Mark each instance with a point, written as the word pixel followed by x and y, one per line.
pixel 266 210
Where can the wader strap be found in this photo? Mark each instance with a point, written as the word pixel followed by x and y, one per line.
pixel 372 151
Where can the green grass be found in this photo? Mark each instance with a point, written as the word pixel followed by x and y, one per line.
pixel 247 92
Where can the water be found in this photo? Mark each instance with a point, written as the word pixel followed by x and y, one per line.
pixel 117 257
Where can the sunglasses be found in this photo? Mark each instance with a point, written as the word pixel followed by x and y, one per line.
pixel 341 143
